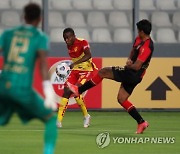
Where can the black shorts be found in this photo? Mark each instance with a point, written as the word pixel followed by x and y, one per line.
pixel 128 77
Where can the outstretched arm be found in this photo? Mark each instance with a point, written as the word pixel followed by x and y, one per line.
pixel 47 86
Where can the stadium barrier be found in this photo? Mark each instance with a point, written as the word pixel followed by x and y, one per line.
pixel 159 89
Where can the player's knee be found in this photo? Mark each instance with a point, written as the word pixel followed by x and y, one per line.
pixel 79 100
pixel 67 92
pixel 121 100
pixel 103 72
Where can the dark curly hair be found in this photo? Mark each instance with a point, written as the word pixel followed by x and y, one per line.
pixel 32 11
pixel 145 26
pixel 66 30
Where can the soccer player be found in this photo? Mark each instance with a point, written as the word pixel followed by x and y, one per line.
pixel 130 75
pixel 82 70
pixel 21 47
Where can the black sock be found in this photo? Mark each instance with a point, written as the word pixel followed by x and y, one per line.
pixel 134 113
pixel 86 86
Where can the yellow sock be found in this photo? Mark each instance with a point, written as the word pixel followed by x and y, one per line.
pixel 80 102
pixel 62 108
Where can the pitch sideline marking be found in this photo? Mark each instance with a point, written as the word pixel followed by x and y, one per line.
pixel 70 130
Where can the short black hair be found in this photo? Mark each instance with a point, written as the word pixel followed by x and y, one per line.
pixel 145 26
pixel 32 11
pixel 66 30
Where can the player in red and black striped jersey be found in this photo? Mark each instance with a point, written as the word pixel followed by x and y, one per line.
pixel 130 75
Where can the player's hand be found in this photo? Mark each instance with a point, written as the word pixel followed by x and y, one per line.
pixel 129 62
pixel 71 66
pixel 49 93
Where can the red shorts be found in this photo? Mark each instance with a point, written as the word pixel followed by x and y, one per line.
pixel 80 77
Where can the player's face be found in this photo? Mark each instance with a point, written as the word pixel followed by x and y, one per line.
pixel 69 38
pixel 140 33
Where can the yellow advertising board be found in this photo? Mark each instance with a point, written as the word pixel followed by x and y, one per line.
pixel 160 87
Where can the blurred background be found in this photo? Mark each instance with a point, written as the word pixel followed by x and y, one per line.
pixel 109 22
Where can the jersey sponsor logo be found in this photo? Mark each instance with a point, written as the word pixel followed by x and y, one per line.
pixel 58 82
pixel 142 51
pixel 75 49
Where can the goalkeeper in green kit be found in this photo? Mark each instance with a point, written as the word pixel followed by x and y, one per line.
pixel 21 47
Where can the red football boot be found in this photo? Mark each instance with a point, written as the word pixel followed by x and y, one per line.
pixel 141 127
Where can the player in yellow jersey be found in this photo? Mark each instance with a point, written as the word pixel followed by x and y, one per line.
pixel 82 70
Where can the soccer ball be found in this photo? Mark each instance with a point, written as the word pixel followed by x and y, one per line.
pixel 62 70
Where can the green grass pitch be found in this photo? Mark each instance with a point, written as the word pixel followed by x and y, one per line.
pixel 16 138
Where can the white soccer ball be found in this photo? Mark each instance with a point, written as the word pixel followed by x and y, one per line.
pixel 62 70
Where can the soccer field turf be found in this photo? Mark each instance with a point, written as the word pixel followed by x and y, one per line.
pixel 73 138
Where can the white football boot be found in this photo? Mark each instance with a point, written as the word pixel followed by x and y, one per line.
pixel 59 124
pixel 87 120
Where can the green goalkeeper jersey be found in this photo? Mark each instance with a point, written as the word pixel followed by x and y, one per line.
pixel 20 46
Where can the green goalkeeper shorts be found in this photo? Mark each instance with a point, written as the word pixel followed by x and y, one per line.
pixel 24 101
